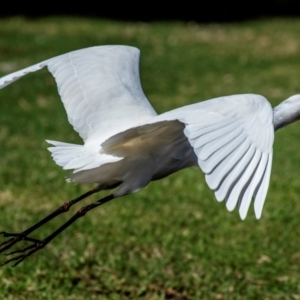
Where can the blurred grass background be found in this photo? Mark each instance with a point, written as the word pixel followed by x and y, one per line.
pixel 171 240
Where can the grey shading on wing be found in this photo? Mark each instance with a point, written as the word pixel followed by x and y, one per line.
pixel 232 138
pixel 99 87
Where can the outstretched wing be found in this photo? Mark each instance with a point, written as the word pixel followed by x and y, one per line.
pixel 232 138
pixel 99 86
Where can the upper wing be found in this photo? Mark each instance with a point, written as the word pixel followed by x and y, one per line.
pixel 99 86
pixel 232 138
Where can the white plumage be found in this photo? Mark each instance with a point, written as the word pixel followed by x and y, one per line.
pixel 126 144
pixel 232 136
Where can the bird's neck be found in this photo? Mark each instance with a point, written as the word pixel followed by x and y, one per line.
pixel 287 112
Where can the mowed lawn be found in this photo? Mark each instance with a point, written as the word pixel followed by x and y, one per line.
pixel 171 240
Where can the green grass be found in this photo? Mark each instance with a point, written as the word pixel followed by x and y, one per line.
pixel 171 240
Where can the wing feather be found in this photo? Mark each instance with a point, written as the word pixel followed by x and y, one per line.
pixel 96 82
pixel 233 139
pixel 231 142
pixel 242 182
pixel 193 131
pixel 235 166
pixel 249 191
pixel 210 148
pixel 214 178
pixel 235 152
pixel 262 189
pixel 207 137
pixel 10 78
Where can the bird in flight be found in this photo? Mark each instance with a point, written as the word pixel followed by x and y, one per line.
pixel 127 145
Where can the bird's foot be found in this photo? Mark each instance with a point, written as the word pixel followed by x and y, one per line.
pixel 26 252
pixel 15 238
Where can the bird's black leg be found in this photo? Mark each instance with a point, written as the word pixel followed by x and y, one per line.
pixel 16 237
pixel 41 244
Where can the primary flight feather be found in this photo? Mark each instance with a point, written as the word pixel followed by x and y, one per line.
pixel 127 145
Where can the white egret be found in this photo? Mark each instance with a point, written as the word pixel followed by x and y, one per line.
pixel 127 145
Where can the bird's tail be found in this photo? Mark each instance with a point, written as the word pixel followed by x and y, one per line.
pixel 77 157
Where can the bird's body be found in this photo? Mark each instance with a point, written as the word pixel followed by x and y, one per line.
pixel 127 145
pixel 149 152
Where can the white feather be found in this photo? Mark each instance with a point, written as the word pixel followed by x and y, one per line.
pixel 230 137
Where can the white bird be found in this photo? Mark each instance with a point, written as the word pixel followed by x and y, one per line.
pixel 127 145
